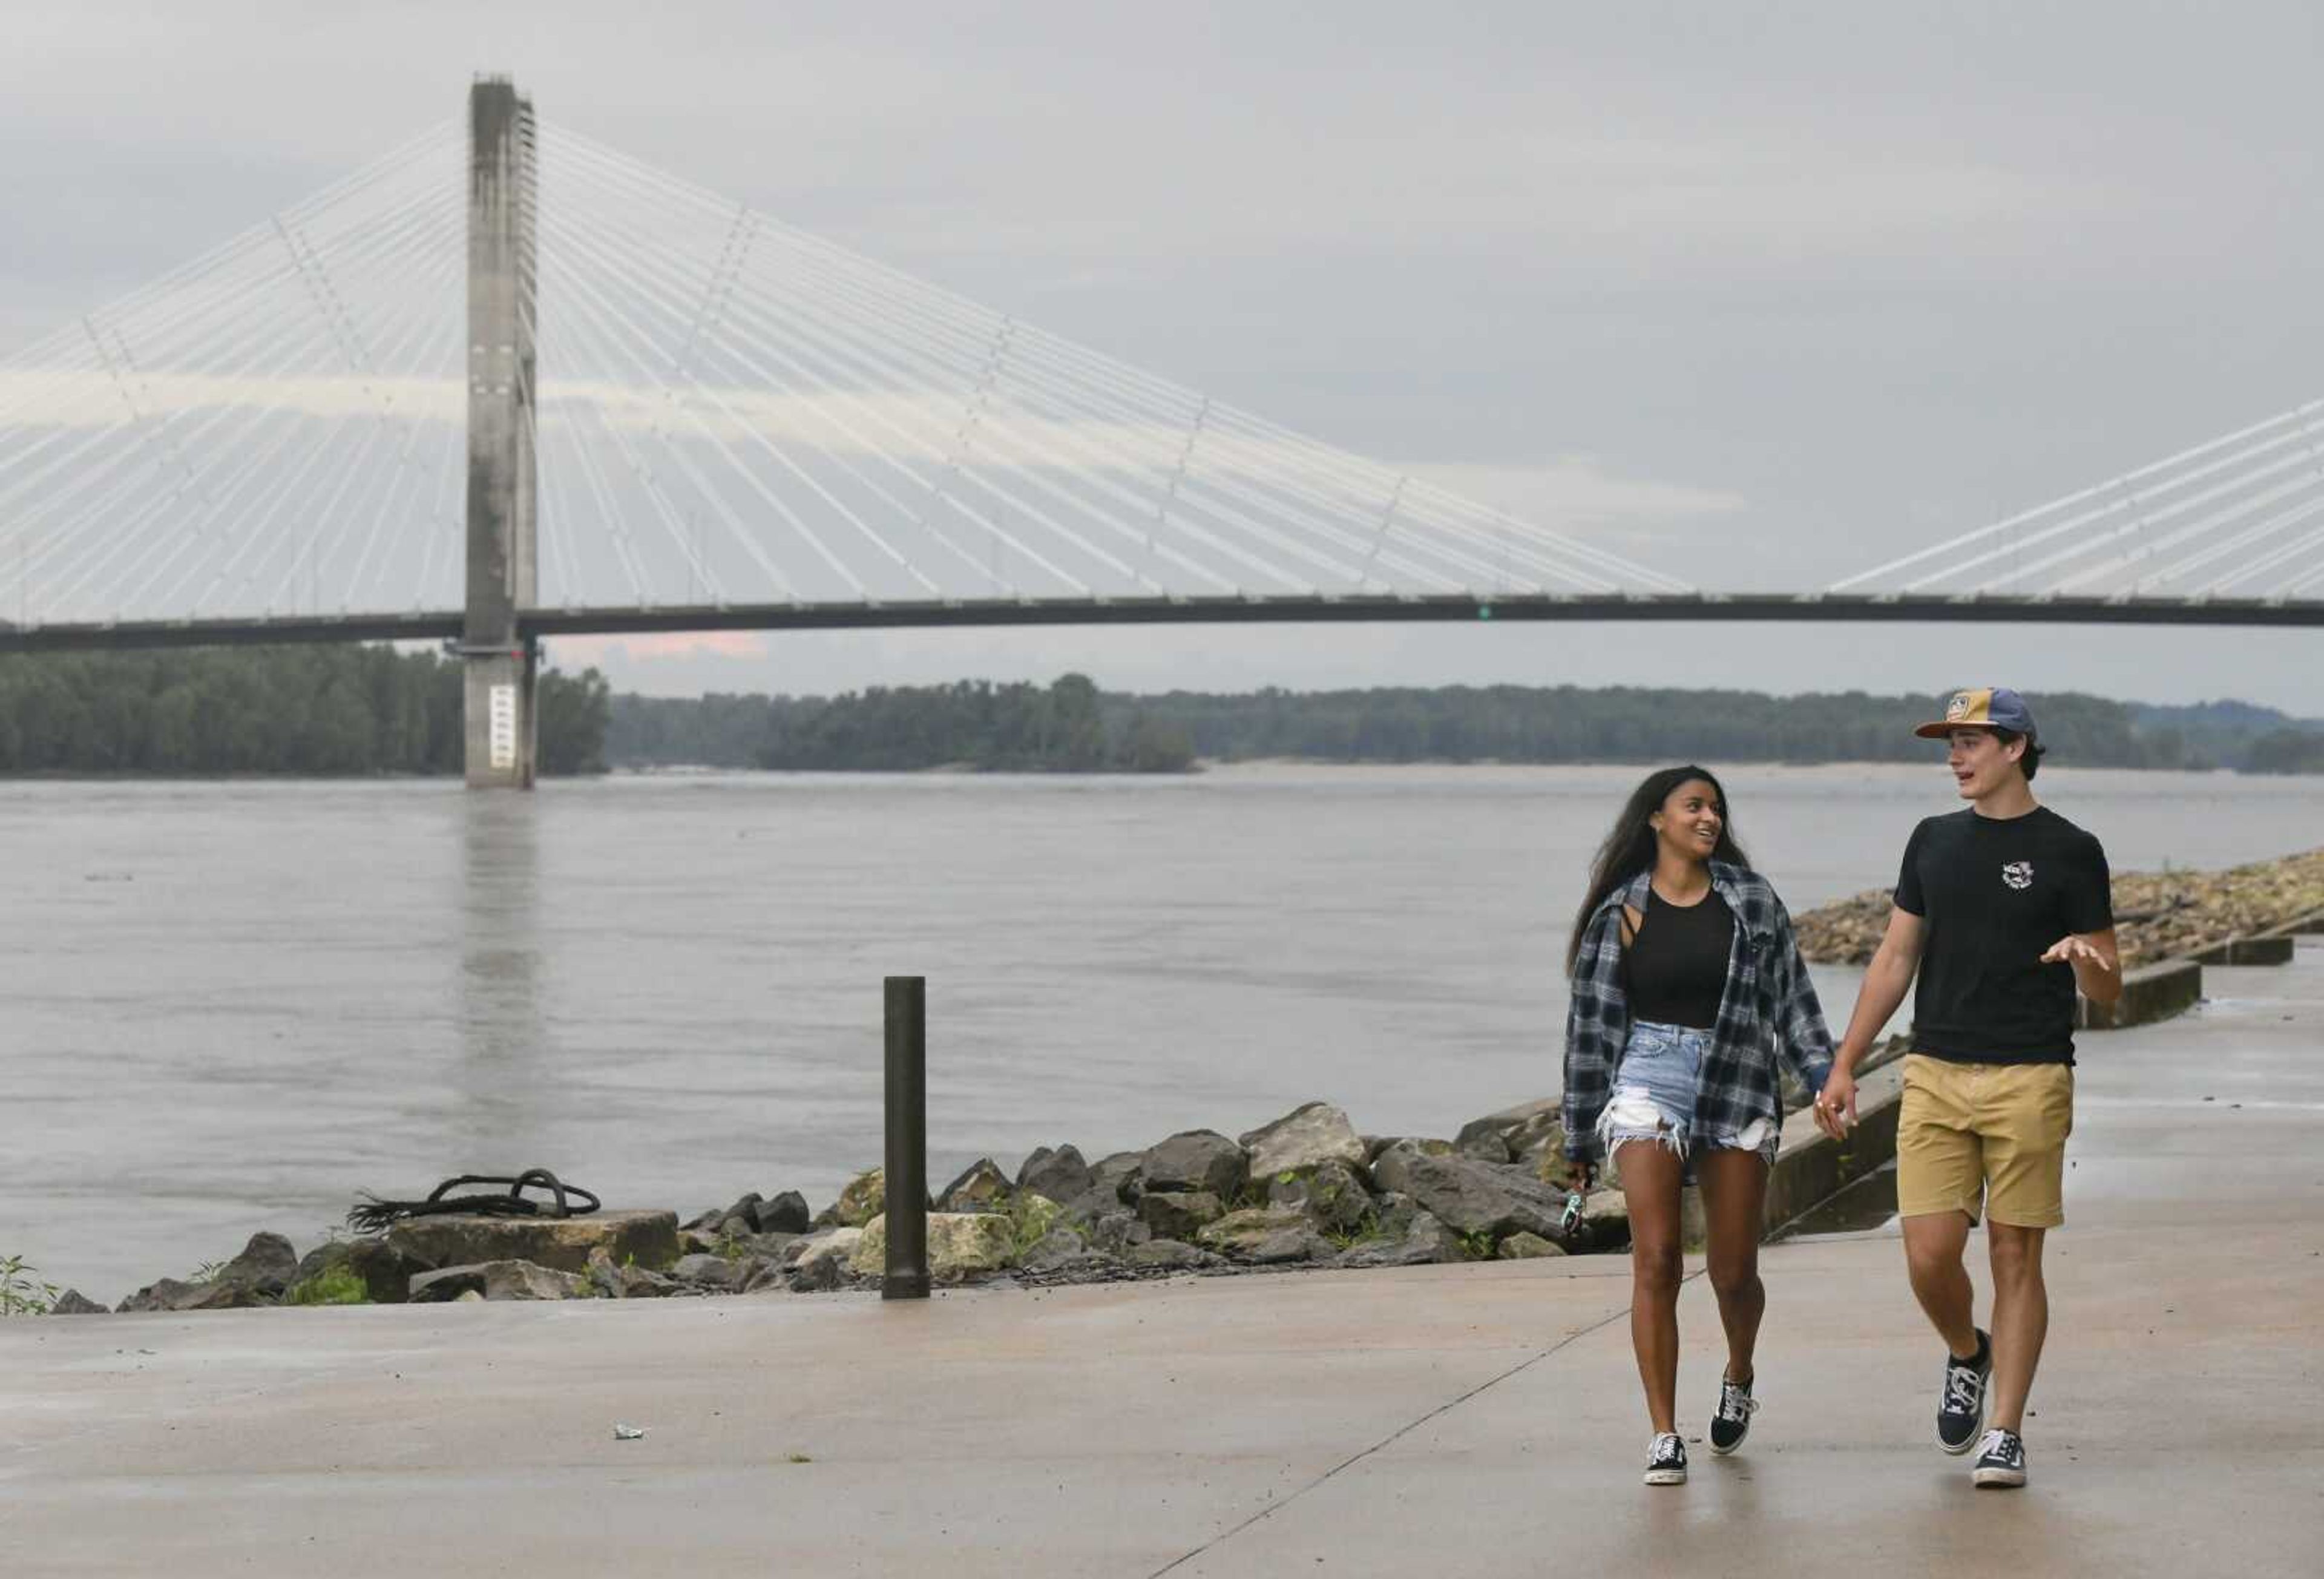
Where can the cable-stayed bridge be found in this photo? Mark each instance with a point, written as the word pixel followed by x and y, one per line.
pixel 507 384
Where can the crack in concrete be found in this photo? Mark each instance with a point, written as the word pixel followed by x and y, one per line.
pixel 1272 1508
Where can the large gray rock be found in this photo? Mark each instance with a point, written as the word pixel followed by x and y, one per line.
pixel 1473 1197
pixel 959 1244
pixel 1514 1134
pixel 770 1247
pixel 1116 1180
pixel 258 1276
pixel 747 1209
pixel 831 1244
pixel 864 1197
pixel 1522 1247
pixel 1488 1143
pixel 1059 1247
pixel 1174 1254
pixel 1266 1235
pixel 1332 1194
pixel 265 1266
pixel 1392 1215
pixel 711 1272
pixel 1387 1165
pixel 1303 1139
pixel 448 1285
pixel 1538 1146
pixel 73 1302
pixel 613 1281
pixel 1422 1241
pixel 819 1274
pixel 1175 1214
pixel 646 1239
pixel 784 1214
pixel 1116 1231
pixel 385 1272
pixel 981 1188
pixel 1196 1160
pixel 498 1280
pixel 175 1294
pixel 1062 1176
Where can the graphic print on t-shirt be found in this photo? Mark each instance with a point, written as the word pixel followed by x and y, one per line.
pixel 2018 874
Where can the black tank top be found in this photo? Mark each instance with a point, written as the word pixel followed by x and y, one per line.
pixel 1677 964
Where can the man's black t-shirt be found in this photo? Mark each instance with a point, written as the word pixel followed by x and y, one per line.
pixel 1993 894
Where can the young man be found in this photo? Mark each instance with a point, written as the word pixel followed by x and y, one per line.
pixel 2004 911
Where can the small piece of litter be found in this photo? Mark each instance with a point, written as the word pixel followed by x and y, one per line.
pixel 628 1433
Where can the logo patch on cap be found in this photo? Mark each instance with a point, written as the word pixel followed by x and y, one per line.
pixel 1958 707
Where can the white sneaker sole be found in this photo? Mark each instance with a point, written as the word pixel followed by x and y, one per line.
pixel 1666 1477
pixel 1999 1477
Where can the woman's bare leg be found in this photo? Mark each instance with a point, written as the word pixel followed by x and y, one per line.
pixel 1651 1175
pixel 1734 1204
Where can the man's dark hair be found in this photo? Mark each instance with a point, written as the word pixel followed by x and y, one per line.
pixel 2030 762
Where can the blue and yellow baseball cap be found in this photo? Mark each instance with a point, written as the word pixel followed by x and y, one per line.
pixel 1996 708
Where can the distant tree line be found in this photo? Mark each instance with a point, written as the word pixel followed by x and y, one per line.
pixel 2285 751
pixel 1622 724
pixel 1072 726
pixel 315 711
pixel 1069 727
pixel 340 710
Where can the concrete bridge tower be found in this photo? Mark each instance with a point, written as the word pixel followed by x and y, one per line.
pixel 502 486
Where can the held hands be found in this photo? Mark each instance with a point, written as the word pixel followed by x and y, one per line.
pixel 1835 1105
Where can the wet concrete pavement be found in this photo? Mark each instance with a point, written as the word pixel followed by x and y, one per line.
pixel 1458 1420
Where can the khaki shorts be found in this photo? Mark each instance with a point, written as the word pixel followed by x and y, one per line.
pixel 1989 1134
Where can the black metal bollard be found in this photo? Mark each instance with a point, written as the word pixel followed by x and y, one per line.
pixel 907 1140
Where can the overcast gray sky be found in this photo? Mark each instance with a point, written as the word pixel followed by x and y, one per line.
pixel 1760 294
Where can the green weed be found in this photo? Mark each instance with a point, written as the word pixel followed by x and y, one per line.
pixel 21 1291
pixel 336 1284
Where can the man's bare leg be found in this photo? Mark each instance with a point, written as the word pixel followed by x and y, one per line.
pixel 1935 1244
pixel 2021 1318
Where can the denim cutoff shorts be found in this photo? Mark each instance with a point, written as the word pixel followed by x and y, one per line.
pixel 1654 1095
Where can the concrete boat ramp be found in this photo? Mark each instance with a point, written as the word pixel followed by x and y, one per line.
pixel 1440 1421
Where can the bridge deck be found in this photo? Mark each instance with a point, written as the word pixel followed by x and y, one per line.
pixel 1463 607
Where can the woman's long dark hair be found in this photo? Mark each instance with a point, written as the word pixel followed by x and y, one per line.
pixel 1629 849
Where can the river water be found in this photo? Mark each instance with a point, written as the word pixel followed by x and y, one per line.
pixel 230 1006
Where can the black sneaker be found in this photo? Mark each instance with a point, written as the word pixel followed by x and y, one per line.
pixel 1666 1461
pixel 1961 1406
pixel 1731 1422
pixel 2000 1460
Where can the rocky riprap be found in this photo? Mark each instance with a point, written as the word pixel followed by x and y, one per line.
pixel 2158 915
pixel 1305 1191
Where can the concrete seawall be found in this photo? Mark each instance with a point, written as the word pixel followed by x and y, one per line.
pixel 2149 993
pixel 2267 949
pixel 1811 1167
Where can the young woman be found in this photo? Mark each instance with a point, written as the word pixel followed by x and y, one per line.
pixel 1688 987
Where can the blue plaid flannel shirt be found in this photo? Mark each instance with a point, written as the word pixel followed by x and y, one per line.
pixel 1767 1010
